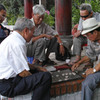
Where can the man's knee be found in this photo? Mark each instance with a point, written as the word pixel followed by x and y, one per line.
pixel 47 76
pixel 88 82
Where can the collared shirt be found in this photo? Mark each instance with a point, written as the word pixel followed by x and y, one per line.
pixel 13 58
pixel 43 28
pixel 95 15
pixel 93 50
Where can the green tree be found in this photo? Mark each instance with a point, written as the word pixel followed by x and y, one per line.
pixel 15 8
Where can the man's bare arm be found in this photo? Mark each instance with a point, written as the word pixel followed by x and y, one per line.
pixel 83 60
pixel 62 50
pixel 41 36
pixel 37 67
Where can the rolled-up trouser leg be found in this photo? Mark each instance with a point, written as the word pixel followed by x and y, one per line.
pixel 77 43
pixel 89 85
pixel 37 49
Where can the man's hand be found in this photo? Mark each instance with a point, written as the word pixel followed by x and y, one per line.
pixel 41 69
pixel 89 71
pixel 41 36
pixel 77 34
pixel 24 73
pixel 75 66
pixel 48 36
pixel 62 50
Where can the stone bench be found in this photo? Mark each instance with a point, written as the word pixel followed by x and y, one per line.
pixel 69 96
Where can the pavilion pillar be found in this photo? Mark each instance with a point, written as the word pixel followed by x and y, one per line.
pixel 63 16
pixel 28 4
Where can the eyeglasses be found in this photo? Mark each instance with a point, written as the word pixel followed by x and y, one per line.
pixel 85 16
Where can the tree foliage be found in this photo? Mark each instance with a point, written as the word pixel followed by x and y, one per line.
pixel 15 8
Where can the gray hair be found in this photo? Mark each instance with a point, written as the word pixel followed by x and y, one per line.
pixel 23 23
pixel 38 9
pixel 86 6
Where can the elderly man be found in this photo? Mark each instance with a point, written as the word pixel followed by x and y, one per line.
pixel 15 76
pixel 85 13
pixel 91 29
pixel 44 37
pixel 4 32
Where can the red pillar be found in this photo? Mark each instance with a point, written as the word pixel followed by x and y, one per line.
pixel 28 4
pixel 63 15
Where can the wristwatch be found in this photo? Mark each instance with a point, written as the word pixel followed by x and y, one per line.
pixel 94 70
pixel 60 43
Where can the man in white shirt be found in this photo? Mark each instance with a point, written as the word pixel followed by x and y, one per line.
pixel 15 76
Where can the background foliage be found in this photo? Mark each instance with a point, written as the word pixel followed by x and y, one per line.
pixel 15 8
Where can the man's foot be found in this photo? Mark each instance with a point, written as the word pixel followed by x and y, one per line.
pixel 77 58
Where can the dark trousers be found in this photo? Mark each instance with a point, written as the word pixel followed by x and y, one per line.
pixel 51 45
pixel 39 83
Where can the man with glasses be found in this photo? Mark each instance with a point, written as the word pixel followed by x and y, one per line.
pixel 44 37
pixel 79 40
pixel 91 29
pixel 4 32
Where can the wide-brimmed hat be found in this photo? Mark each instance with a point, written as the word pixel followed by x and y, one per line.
pixel 90 25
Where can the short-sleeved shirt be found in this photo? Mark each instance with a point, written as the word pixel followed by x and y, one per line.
pixel 93 50
pixel 43 28
pixel 95 15
pixel 13 58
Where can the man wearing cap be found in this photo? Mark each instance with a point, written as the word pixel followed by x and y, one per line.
pixel 79 40
pixel 91 29
pixel 44 37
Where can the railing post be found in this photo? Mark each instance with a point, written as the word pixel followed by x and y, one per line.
pixel 28 4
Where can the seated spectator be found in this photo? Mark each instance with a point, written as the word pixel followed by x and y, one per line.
pixel 44 37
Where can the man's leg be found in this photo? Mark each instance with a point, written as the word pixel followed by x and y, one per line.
pixel 37 49
pixel 51 47
pixel 89 85
pixel 39 83
pixel 77 43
